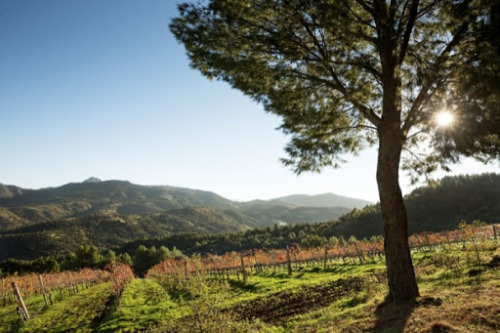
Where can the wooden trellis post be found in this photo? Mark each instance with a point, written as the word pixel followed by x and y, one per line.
pixel 243 272
pixel 289 261
pixel 23 311
pixel 325 257
pixel 43 290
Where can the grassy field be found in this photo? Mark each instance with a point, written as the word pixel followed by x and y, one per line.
pixel 460 290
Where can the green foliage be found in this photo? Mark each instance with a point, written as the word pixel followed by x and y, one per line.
pixel 436 208
pixel 51 238
pixel 75 313
pixel 145 258
pixel 109 257
pixel 433 208
pixel 337 70
pixel 39 265
pixel 125 258
pixel 143 303
pixel 313 241
pixel 346 74
pixel 457 291
pixel 479 81
pixel 88 256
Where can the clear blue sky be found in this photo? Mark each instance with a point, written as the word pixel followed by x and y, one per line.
pixel 101 88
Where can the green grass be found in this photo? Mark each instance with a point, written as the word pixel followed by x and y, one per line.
pixel 76 313
pixel 143 303
pixel 10 321
pixel 446 283
pixel 459 294
pixel 262 284
pixel 453 300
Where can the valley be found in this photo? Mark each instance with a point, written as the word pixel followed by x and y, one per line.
pixel 341 292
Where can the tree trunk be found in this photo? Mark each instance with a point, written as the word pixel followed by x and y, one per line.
pixel 400 273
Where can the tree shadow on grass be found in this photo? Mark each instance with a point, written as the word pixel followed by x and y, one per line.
pixel 252 287
pixel 392 316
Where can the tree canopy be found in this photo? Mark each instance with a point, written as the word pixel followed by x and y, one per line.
pixel 350 73
pixel 326 66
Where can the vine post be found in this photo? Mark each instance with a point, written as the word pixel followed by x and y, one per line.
pixel 23 311
pixel 325 258
pixel 43 290
pixel 243 271
pixel 288 261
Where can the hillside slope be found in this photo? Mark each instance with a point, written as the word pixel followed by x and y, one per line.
pixel 23 207
pixel 20 207
pixel 269 213
pixel 204 229
pixel 61 236
pixel 322 200
pixel 434 208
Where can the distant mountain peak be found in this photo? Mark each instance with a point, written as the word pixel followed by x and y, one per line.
pixel 322 200
pixel 92 180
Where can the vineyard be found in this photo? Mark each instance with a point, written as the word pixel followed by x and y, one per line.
pixel 333 288
pixel 352 250
pixel 48 291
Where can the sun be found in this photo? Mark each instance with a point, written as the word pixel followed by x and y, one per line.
pixel 444 118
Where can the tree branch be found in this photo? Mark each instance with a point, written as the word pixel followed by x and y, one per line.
pixel 409 28
pixel 359 18
pixel 424 10
pixel 400 23
pixel 365 6
pixel 339 86
pixel 432 76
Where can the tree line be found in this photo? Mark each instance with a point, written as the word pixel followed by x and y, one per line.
pixel 89 256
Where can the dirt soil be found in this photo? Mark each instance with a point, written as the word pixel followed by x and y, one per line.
pixel 277 307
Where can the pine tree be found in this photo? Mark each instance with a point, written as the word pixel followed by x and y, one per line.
pixel 347 74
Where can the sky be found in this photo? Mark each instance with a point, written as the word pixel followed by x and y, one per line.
pixel 101 88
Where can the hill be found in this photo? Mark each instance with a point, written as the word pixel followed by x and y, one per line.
pixel 8 191
pixel 322 200
pixel 51 238
pixel 269 213
pixel 21 207
pixel 111 213
pixel 434 208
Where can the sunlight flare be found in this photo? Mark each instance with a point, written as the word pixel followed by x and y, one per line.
pixel 444 118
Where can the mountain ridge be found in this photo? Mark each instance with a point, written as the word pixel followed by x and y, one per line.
pixel 56 237
pixel 200 229
pixel 321 200
pixel 20 207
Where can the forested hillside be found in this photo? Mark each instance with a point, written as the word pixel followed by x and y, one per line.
pixel 20 207
pixel 56 237
pixel 432 208
pixel 201 230
pixel 321 200
pixel 24 207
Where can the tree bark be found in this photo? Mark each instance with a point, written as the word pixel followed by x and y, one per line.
pixel 400 273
